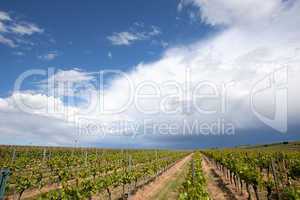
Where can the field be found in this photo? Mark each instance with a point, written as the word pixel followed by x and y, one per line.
pixel 247 172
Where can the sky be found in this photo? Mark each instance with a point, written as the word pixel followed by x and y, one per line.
pixel 149 74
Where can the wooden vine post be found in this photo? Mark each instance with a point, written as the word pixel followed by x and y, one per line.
pixel 193 171
pixel 156 162
pixel 86 159
pixel 129 169
pixel 44 154
pixel 13 158
pixel 275 177
pixel 4 175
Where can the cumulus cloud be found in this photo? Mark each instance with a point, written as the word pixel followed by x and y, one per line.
pixel 238 54
pixel 24 128
pixel 135 34
pixel 232 12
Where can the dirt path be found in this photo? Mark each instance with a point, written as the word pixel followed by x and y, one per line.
pixel 217 186
pixel 171 189
pixel 152 190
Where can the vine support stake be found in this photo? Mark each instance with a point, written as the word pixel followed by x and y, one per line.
pixel 44 154
pixel 275 177
pixel 13 158
pixel 86 158
pixel 4 175
pixel 129 169
pixel 193 171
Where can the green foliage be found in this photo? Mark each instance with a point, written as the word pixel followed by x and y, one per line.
pixel 194 188
pixel 259 168
pixel 290 194
pixel 80 173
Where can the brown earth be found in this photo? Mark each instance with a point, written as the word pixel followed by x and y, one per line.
pixel 151 190
pixel 218 187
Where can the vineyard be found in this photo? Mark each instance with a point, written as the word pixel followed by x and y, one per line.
pixel 195 185
pixel 271 174
pixel 91 173
pixel 80 174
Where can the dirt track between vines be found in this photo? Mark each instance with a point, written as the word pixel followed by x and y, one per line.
pixel 149 191
pixel 217 186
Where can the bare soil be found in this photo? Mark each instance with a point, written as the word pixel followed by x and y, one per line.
pixel 218 187
pixel 153 189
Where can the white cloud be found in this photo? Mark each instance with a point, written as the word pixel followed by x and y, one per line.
pixel 155 31
pixel 73 75
pixel 4 16
pixel 19 53
pixel 49 56
pixel 3 104
pixel 248 49
pixel 164 44
pixel 216 12
pixel 7 41
pixel 129 37
pixel 180 6
pixel 123 38
pixel 26 28
pixel 74 82
pixel 109 55
pixel 2 27
pixel 13 31
pixel 36 126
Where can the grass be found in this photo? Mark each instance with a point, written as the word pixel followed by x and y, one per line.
pixel 171 190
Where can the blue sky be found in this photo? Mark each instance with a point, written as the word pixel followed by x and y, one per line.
pixel 77 34
pixel 152 42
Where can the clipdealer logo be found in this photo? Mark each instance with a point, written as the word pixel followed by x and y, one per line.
pixel 276 83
